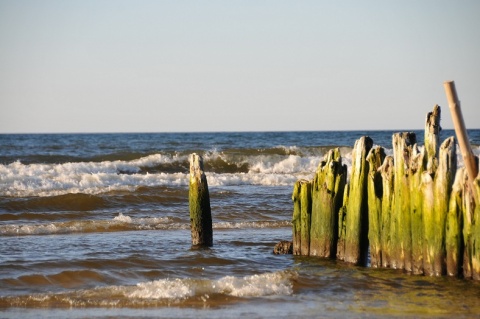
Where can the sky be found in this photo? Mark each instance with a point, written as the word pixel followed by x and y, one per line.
pixel 183 66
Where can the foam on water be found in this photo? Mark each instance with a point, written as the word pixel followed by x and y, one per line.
pixel 125 223
pixel 118 223
pixel 20 180
pixel 164 291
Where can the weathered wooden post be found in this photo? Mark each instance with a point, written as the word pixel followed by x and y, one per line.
pixel 356 223
pixel 375 158
pixel 415 172
pixel 199 202
pixel 454 244
pixel 342 224
pixel 436 193
pixel 476 233
pixel 403 144
pixel 422 162
pixel 387 171
pixel 432 134
pixel 327 191
pixel 469 228
pixel 302 210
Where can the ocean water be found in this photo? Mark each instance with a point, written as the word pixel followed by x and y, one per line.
pixel 97 225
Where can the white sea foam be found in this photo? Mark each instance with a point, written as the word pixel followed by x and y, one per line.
pixel 20 180
pixel 169 291
pixel 120 222
pixel 265 284
pixel 163 289
pixel 123 222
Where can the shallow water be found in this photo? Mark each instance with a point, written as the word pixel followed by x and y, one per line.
pixel 98 226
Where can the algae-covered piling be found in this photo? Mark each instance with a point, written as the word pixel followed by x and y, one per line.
pixel 327 191
pixel 375 158
pixel 356 222
pixel 404 210
pixel 199 202
pixel 302 210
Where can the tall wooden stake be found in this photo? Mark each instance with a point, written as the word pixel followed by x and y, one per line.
pixel 462 136
pixel 199 201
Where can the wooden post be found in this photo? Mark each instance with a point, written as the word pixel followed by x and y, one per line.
pixel 432 134
pixel 476 233
pixel 422 162
pixel 437 195
pixel 199 201
pixel 416 169
pixel 375 158
pixel 342 216
pixel 302 210
pixel 403 144
pixel 468 208
pixel 356 223
pixel 462 136
pixel 454 244
pixel 297 218
pixel 387 171
pixel 327 191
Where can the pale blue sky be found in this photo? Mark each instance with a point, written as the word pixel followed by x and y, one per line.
pixel 159 66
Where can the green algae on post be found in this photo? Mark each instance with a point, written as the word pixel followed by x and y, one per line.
pixel 454 245
pixel 403 144
pixel 199 204
pixel 327 191
pixel 375 159
pixel 387 173
pixel 302 208
pixel 356 222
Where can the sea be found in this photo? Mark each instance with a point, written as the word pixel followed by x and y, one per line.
pixel 97 226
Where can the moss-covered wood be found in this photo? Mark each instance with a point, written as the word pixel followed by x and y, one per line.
pixel 454 245
pixel 444 178
pixel 375 159
pixel 302 208
pixel 387 173
pixel 199 204
pixel 342 231
pixel 403 209
pixel 416 170
pixel 327 191
pixel 403 144
pixel 356 223
pixel 471 229
pixel 476 232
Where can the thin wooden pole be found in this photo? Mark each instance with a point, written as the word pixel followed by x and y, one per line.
pixel 461 132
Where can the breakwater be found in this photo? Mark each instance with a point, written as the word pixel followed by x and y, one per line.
pixel 414 210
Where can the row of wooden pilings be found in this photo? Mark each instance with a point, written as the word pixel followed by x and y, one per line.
pixel 414 210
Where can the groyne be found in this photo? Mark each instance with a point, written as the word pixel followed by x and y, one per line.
pixel 414 210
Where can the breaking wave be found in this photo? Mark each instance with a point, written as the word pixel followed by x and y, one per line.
pixel 125 223
pixel 162 292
